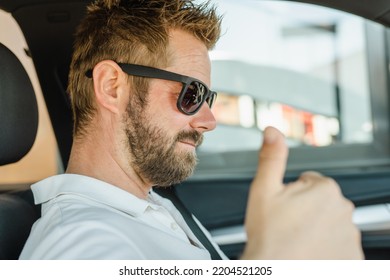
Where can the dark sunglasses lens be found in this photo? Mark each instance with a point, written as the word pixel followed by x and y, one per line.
pixel 193 97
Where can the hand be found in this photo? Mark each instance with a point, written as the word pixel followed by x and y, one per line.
pixel 305 219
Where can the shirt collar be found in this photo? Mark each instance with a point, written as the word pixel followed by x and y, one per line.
pixel 90 188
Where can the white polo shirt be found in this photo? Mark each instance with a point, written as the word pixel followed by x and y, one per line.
pixel 85 218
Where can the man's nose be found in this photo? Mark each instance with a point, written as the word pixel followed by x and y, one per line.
pixel 204 119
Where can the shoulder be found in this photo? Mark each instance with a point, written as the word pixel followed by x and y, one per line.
pixel 73 231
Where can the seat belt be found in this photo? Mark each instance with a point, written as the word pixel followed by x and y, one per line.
pixel 170 194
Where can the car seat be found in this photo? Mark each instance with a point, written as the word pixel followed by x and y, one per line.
pixel 18 128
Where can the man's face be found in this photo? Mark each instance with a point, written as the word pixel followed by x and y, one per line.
pixel 154 152
pixel 161 139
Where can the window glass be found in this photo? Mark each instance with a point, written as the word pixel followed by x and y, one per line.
pixel 294 66
pixel 42 161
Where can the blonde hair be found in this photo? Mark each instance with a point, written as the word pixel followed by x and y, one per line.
pixel 132 31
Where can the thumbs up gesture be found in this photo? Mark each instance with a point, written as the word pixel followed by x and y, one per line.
pixel 305 219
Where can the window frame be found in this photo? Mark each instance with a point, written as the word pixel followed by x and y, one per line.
pixel 338 158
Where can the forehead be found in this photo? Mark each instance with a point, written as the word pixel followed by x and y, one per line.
pixel 188 56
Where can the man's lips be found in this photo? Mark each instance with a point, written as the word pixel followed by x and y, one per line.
pixel 193 138
pixel 188 142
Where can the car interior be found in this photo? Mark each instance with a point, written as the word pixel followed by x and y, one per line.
pixel 48 27
pixel 17 211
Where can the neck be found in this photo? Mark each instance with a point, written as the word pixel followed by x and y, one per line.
pixel 92 156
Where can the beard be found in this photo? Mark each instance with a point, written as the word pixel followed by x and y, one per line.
pixel 153 153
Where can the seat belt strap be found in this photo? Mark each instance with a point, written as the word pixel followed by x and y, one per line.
pixel 170 194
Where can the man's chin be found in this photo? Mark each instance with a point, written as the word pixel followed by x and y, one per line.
pixel 187 157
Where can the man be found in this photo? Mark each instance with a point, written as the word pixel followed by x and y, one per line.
pixel 139 84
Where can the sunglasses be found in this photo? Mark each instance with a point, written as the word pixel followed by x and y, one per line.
pixel 193 93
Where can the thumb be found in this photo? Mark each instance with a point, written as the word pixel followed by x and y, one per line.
pixel 272 163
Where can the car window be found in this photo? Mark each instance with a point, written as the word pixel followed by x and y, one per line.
pixel 305 69
pixel 42 161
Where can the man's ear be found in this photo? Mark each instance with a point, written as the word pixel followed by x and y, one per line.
pixel 108 80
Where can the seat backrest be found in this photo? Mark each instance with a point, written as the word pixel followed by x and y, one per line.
pixel 18 128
